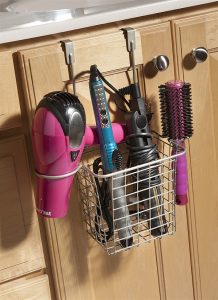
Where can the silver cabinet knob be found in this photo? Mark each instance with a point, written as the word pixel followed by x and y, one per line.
pixel 161 62
pixel 199 54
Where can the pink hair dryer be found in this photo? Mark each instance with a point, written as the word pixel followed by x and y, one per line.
pixel 59 134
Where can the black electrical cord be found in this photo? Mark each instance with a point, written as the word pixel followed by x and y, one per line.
pixel 116 91
pixel 142 152
pixel 148 179
pixel 103 205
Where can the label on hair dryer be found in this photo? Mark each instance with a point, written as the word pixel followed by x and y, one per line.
pixel 43 212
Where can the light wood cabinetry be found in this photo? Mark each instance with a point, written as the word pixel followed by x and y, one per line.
pixel 20 248
pixel 33 288
pixel 87 272
pixel 9 101
pixel 174 252
pixel 203 147
pixel 149 270
pixel 179 267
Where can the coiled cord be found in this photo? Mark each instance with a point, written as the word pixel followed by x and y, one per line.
pixel 148 181
pixel 125 90
pixel 143 154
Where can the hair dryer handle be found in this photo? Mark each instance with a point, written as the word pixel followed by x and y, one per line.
pixel 181 180
pixel 53 196
pixel 91 134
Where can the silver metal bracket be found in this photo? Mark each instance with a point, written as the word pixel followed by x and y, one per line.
pixel 68 48
pixel 129 34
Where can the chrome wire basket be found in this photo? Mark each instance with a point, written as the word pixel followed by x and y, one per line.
pixel 138 214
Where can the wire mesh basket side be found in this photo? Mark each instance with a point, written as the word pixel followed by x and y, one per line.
pixel 140 205
pixel 93 215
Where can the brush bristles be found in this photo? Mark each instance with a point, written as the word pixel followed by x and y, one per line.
pixel 176 110
pixel 164 111
pixel 117 159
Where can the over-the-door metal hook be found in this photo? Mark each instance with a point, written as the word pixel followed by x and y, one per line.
pixel 68 48
pixel 129 34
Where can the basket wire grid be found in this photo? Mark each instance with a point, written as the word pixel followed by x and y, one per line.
pixel 135 216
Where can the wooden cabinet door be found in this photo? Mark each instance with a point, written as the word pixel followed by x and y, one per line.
pixel 9 101
pixel 26 289
pixel 20 242
pixel 81 269
pixel 174 261
pixel 203 147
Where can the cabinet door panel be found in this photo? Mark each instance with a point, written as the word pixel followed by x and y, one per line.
pixel 9 102
pixel 203 207
pixel 20 248
pixel 34 288
pixel 175 258
pixel 81 267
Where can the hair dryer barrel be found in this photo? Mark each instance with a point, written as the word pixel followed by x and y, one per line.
pixel 92 137
pixel 53 196
pixel 58 141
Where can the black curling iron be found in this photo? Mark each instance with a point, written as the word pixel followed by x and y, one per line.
pixel 141 148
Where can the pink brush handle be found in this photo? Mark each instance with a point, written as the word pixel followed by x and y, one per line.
pixel 91 134
pixel 181 180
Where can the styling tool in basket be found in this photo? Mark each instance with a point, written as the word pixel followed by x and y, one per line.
pixel 102 207
pixel 111 157
pixel 177 125
pixel 141 148
pixel 100 225
pixel 58 137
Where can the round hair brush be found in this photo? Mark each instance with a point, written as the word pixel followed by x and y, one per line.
pixel 177 125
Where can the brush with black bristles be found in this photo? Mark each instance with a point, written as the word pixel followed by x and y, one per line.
pixel 177 125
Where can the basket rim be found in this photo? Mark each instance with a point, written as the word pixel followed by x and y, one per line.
pixel 125 170
pixel 82 165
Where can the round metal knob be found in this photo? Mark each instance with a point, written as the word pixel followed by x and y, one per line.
pixel 199 54
pixel 161 62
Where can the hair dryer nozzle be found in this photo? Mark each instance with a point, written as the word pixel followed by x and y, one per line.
pixel 58 137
